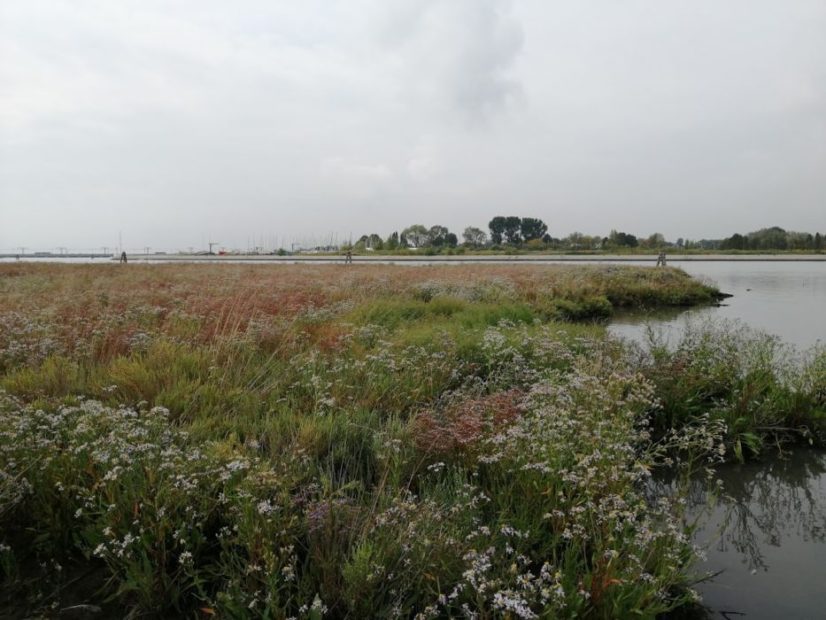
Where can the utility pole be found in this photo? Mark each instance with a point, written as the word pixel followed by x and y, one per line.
pixel 211 243
pixel 146 250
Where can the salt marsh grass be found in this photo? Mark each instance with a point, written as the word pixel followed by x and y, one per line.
pixel 766 392
pixel 308 441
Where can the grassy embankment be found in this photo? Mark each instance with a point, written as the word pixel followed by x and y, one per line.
pixel 366 442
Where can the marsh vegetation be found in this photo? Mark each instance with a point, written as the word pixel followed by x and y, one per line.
pixel 307 441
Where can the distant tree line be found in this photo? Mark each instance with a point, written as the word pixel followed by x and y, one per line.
pixel 774 238
pixel 531 233
pixel 504 231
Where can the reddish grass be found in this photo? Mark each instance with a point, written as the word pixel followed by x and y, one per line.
pixel 460 427
pixel 85 302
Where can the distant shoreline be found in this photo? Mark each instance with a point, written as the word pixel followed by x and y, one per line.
pixel 434 258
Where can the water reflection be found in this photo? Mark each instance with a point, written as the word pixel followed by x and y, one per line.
pixel 766 536
pixel 768 503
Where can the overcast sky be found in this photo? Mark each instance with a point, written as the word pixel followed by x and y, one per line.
pixel 175 122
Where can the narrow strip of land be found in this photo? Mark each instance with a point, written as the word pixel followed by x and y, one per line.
pixel 427 258
pixel 482 258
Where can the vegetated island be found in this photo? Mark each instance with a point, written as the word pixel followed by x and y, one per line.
pixel 365 441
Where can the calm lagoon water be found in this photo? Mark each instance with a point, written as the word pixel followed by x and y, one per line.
pixel 785 299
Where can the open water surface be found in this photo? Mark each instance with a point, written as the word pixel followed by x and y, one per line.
pixel 786 299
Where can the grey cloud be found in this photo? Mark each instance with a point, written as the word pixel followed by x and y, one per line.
pixel 457 53
pixel 172 121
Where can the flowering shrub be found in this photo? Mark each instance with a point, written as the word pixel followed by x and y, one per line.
pixel 169 520
pixel 749 380
pixel 551 520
